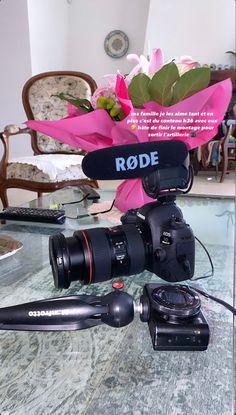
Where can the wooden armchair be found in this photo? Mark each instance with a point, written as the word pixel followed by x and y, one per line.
pixel 54 165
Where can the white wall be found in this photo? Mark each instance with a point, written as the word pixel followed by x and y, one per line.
pixel 203 29
pixel 70 35
pixel 15 67
pixel 48 25
pixel 89 23
pixel 57 35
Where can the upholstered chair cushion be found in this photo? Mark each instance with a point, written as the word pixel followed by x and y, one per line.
pixel 46 106
pixel 46 168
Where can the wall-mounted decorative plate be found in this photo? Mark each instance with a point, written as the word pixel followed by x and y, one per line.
pixel 116 44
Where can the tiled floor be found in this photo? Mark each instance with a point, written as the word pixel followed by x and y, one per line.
pixel 205 183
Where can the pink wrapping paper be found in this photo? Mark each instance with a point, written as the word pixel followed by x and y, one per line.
pixel 130 195
pixel 96 129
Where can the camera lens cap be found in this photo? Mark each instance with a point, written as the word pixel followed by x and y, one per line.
pixel 176 301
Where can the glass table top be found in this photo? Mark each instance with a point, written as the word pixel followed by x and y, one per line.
pixel 104 370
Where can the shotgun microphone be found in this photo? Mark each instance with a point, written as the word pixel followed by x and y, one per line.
pixel 134 160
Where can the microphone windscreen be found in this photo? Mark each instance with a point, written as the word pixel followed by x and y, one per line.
pixel 133 160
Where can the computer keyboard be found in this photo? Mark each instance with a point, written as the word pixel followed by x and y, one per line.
pixel 33 215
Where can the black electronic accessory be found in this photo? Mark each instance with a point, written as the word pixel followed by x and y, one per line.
pixel 74 312
pixel 74 202
pixel 129 217
pixel 174 317
pixel 135 160
pixel 28 214
pixel 85 215
pixel 173 313
pixel 89 192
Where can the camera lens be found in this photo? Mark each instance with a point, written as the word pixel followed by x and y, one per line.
pixel 176 302
pixel 98 254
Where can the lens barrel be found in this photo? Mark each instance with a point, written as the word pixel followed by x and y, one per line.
pixel 97 254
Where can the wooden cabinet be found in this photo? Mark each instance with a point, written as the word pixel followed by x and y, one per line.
pixel 220 75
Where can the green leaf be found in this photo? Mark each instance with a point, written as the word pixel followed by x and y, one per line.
pixel 191 82
pixel 161 85
pixel 138 90
pixel 77 102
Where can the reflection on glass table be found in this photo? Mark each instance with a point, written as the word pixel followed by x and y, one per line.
pixel 106 370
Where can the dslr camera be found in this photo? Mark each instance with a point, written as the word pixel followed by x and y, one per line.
pixel 154 238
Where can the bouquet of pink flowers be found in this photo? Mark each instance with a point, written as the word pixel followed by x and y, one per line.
pixel 156 101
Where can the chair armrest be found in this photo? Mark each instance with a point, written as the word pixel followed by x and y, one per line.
pixel 4 159
pixel 8 131
pixel 13 129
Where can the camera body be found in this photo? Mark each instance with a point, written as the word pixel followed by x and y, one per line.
pixel 172 244
pixel 154 237
pixel 174 317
